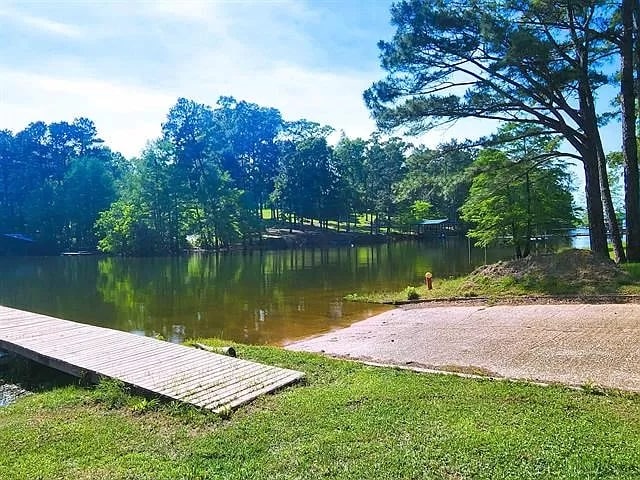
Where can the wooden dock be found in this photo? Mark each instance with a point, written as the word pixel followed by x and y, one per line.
pixel 197 377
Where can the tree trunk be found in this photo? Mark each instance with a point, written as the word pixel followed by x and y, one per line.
pixel 598 183
pixel 527 240
pixel 629 141
pixel 595 215
pixel 609 210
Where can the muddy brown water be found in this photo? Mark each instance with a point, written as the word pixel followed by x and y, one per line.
pixel 257 297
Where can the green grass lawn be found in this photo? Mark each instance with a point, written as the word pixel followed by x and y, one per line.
pixel 346 421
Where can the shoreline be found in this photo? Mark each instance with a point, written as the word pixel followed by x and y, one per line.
pixel 517 300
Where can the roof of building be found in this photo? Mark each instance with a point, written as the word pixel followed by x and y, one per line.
pixel 435 221
pixel 17 236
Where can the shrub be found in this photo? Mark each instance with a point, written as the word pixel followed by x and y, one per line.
pixel 111 393
pixel 412 293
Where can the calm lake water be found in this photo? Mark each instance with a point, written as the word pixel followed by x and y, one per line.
pixel 257 297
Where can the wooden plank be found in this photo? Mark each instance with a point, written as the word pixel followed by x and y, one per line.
pixel 125 353
pixel 75 370
pixel 163 376
pixel 230 386
pixel 222 375
pixel 221 399
pixel 89 344
pixel 232 389
pixel 146 359
pixel 60 339
pixel 174 371
pixel 13 314
pixel 216 386
pixel 13 323
pixel 35 325
pixel 64 341
pixel 190 388
pixel 180 381
pixel 200 369
pixel 256 393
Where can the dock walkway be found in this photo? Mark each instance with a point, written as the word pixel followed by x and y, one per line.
pixel 177 372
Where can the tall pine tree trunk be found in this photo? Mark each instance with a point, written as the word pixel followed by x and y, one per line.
pixel 629 141
pixel 597 161
pixel 609 210
pixel 595 215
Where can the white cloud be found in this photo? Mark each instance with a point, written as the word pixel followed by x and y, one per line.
pixel 194 9
pixel 126 116
pixel 202 13
pixel 43 24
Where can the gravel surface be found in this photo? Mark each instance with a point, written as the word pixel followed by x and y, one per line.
pixel 575 344
pixel 9 393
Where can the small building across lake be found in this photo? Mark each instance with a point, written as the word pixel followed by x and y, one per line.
pixel 16 244
pixel 437 227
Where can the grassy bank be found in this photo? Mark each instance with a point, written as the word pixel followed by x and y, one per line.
pixel 346 421
pixel 571 272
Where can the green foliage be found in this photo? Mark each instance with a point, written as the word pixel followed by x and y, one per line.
pixel 419 210
pixel 145 405
pixel 517 194
pixel 120 229
pixel 615 175
pixel 88 188
pixel 111 393
pixel 412 293
pixel 438 177
pixel 633 270
pixel 206 180
pixel 54 180
pixel 350 156
pixel 386 168
pixel 307 179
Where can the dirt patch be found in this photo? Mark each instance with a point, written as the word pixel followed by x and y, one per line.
pixel 565 272
pixel 571 265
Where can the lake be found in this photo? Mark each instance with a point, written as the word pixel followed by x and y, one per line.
pixel 256 297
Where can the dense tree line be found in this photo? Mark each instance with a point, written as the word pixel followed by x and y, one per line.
pixel 210 178
pixel 213 174
pixel 54 179
pixel 536 63
pixel 215 171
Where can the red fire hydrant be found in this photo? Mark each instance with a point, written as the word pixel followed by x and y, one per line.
pixel 427 280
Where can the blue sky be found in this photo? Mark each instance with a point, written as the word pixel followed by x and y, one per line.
pixel 124 63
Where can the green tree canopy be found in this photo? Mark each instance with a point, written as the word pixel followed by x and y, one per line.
pixel 516 199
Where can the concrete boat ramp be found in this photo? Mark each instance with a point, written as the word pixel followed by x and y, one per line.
pixel 177 372
pixel 573 344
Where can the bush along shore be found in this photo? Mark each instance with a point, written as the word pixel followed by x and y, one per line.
pixel 347 421
pixel 570 275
